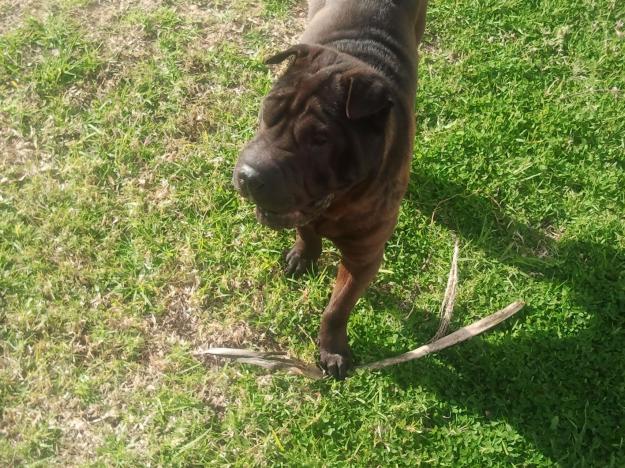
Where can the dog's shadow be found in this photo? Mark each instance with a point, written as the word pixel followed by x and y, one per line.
pixel 565 393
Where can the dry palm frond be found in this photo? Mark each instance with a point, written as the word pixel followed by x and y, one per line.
pixel 280 361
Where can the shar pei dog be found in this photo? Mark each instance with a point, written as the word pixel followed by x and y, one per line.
pixel 332 153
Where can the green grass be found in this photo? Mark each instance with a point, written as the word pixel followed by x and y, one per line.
pixel 123 247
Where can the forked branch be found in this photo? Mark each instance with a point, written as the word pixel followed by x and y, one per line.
pixel 280 361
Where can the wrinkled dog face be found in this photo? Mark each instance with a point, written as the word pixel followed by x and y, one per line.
pixel 321 133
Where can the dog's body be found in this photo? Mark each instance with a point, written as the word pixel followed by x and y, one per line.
pixel 333 151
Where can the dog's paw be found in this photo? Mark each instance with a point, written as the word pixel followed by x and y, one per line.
pixel 336 364
pixel 298 263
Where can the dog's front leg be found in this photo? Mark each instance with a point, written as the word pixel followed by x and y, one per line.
pixel 351 281
pixel 304 253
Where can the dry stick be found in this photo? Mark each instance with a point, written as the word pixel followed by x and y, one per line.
pixel 456 337
pixel 279 361
pixel 268 360
pixel 276 360
pixel 449 299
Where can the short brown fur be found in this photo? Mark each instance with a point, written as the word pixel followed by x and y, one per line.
pixel 332 154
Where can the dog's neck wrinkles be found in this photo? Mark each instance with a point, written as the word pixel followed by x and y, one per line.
pixel 377 50
pixel 379 33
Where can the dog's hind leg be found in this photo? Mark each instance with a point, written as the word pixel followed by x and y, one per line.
pixel 420 22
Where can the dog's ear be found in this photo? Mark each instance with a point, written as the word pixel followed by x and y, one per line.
pixel 297 51
pixel 368 94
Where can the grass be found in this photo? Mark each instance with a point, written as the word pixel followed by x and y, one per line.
pixel 123 246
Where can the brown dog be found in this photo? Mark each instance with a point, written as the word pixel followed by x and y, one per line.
pixel 332 154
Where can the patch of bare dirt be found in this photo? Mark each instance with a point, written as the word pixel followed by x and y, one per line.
pixel 230 21
pixel 21 157
pixel 14 12
pixel 121 44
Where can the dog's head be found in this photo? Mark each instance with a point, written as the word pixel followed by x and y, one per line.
pixel 321 133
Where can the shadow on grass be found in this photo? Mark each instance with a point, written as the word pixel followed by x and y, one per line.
pixel 565 393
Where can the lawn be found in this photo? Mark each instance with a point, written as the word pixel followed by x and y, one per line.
pixel 124 248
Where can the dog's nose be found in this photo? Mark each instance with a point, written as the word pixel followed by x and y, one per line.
pixel 264 185
pixel 247 180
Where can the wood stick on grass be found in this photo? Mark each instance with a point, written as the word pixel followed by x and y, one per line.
pixel 456 337
pixel 446 310
pixel 279 361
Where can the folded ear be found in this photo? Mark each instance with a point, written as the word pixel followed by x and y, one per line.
pixel 367 94
pixel 297 51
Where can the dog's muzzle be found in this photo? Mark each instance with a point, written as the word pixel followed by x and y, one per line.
pixel 294 218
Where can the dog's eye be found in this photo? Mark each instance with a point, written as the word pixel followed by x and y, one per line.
pixel 318 138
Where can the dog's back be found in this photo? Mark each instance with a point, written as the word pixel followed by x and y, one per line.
pixel 381 33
